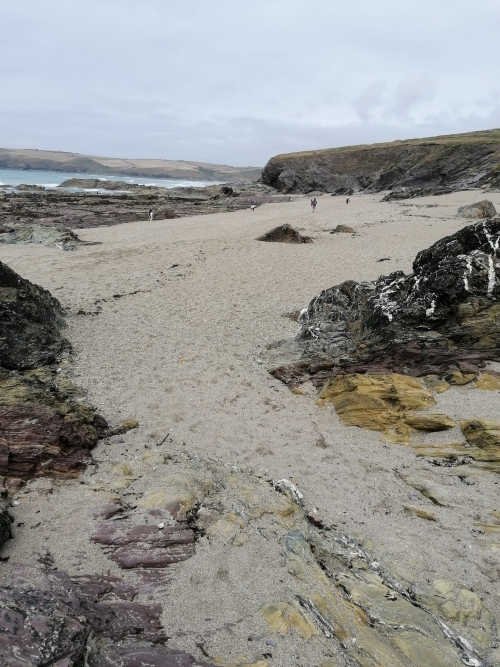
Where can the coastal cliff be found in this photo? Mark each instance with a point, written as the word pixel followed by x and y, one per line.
pixel 425 166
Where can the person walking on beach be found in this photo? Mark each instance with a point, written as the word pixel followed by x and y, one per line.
pixel 313 204
pixel 252 207
pixel 150 214
pixel 347 200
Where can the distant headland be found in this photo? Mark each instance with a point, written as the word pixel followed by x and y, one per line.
pixel 33 159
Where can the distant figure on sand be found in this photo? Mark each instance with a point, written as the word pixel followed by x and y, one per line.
pixel 347 200
pixel 150 214
pixel 252 207
pixel 313 204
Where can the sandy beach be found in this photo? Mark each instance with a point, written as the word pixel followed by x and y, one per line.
pixel 169 322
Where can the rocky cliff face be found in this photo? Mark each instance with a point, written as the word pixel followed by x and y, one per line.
pixel 441 163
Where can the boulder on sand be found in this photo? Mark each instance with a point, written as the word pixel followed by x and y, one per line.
pixel 284 234
pixel 342 229
pixel 480 209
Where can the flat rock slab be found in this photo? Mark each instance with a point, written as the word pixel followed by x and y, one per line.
pixel 151 545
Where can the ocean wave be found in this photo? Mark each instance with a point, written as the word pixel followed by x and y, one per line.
pixel 14 177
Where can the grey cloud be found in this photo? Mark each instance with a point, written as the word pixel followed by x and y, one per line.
pixel 411 92
pixel 238 82
pixel 369 100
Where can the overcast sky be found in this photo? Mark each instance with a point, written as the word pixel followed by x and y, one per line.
pixel 237 81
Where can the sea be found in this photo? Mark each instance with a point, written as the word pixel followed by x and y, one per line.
pixel 51 179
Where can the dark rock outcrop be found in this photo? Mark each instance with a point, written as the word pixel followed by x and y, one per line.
pixel 30 323
pixel 284 234
pixel 444 315
pixel 45 427
pixel 98 183
pixel 47 618
pixel 5 523
pixel 453 162
pixel 479 210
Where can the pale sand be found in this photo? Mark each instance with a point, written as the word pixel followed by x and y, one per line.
pixel 185 356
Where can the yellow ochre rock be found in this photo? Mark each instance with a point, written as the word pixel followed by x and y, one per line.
pixel 458 378
pixel 382 402
pixel 421 513
pixel 435 383
pixel 436 493
pixel 489 382
pixel 129 424
pixel 430 422
pixel 462 606
pixel 283 616
pixel 482 433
